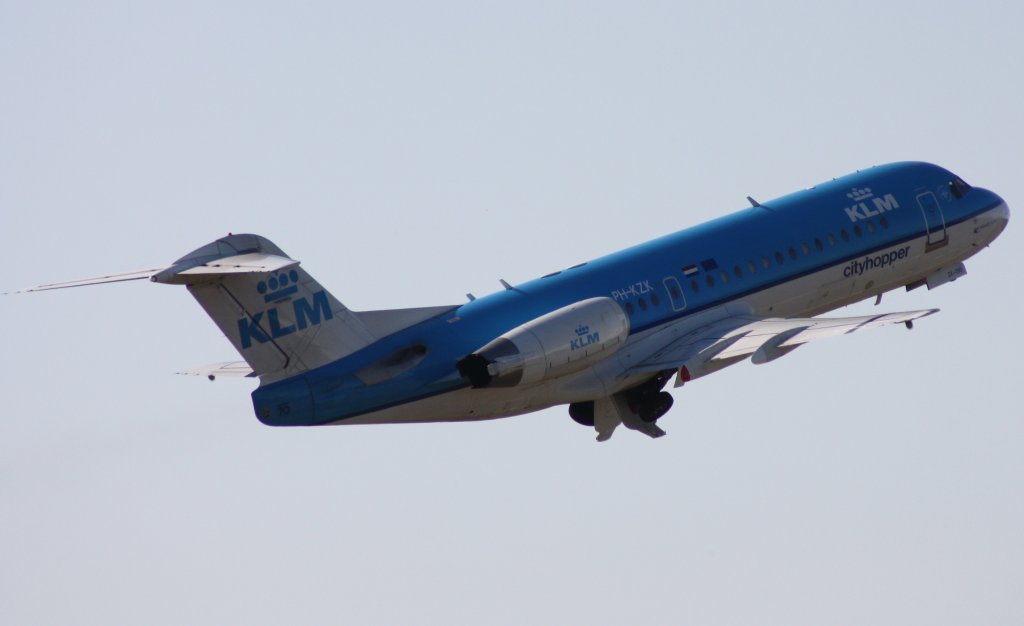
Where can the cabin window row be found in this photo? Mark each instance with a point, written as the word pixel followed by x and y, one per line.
pixel 870 227
pixel 642 302
pixel 794 253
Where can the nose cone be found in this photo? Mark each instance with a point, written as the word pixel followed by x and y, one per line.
pixel 993 199
pixel 1001 211
pixel 993 221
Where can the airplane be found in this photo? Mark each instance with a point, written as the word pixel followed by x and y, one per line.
pixel 603 337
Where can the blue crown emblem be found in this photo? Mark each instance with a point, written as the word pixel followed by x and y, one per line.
pixel 582 330
pixel 859 193
pixel 278 286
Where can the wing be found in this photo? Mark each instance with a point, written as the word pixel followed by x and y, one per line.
pixel 234 369
pixel 732 339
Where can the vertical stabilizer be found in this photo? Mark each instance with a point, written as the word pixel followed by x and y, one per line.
pixel 278 317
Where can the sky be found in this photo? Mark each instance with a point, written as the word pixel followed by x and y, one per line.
pixel 409 153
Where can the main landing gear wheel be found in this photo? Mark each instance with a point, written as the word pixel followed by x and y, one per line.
pixel 653 406
pixel 582 413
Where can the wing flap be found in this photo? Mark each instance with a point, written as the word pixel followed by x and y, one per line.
pixel 734 338
pixel 707 339
pixel 812 329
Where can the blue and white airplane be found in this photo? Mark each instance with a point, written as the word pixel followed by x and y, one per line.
pixel 604 337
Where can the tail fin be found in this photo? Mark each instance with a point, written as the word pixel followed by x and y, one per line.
pixel 276 315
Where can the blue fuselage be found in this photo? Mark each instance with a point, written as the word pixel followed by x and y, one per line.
pixel 854 225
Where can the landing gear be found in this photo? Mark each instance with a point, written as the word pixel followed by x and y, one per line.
pixel 582 413
pixel 638 409
pixel 648 401
pixel 654 406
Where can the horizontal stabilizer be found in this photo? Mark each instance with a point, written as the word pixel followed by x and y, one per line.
pixel 98 280
pixel 252 263
pixel 184 273
pixel 234 369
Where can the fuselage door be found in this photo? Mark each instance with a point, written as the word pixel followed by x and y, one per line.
pixel 934 221
pixel 675 293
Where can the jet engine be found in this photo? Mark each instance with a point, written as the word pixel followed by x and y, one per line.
pixel 555 344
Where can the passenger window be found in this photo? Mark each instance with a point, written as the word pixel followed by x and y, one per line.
pixel 642 303
pixel 765 262
pixel 792 253
pixel 845 235
pixel 857 230
pixel 674 292
pixel 817 244
pixel 831 240
pixel 752 267
pixel 710 280
pixel 655 300
pixel 806 248
pixel 725 277
pixel 629 308
pixel 871 227
pixel 779 258
pixel 695 286
pixel 736 270
pixel 884 222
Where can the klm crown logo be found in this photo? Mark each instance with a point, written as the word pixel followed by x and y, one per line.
pixel 859 193
pixel 862 209
pixel 285 314
pixel 584 338
pixel 279 286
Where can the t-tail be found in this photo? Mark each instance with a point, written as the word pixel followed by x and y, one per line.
pixel 278 317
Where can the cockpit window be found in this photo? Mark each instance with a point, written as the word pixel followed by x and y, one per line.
pixel 959 187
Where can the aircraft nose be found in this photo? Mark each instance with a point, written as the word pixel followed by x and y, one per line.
pixel 995 219
pixel 1001 211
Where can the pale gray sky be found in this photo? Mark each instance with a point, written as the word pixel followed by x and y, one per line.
pixel 407 153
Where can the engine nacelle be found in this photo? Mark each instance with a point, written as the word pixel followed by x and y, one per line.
pixel 555 344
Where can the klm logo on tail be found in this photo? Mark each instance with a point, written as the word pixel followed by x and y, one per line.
pixel 308 312
pixel 280 286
